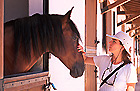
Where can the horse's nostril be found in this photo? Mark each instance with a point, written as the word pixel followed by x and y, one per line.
pixel 77 70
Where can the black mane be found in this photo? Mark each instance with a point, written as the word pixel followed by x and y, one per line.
pixel 47 28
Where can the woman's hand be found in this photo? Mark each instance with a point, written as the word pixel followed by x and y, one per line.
pixel 87 60
pixel 80 49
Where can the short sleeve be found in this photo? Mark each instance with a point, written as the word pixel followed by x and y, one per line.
pixel 131 74
pixel 100 60
pixel 96 60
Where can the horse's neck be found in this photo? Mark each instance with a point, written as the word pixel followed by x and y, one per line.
pixel 35 58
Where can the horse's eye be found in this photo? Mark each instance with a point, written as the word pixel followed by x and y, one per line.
pixel 74 38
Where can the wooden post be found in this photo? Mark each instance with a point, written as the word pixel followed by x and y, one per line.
pixel 91 46
pixel 1 37
pixel 1 42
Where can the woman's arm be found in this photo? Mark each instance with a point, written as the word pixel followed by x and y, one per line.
pixel 130 86
pixel 87 60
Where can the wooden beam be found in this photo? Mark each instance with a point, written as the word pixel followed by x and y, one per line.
pixel 1 37
pixel 126 13
pixel 129 19
pixel 136 34
pixel 115 4
pixel 123 13
pixel 26 81
pixel 31 86
pixel 129 22
pixel 25 77
pixel 134 28
pixel 1 43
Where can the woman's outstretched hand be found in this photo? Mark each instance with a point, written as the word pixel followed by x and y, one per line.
pixel 87 60
pixel 80 49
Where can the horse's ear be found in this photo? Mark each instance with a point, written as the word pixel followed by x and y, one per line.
pixel 67 16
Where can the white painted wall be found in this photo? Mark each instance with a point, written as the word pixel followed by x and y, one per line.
pixel 59 73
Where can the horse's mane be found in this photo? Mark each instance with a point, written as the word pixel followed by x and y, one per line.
pixel 47 28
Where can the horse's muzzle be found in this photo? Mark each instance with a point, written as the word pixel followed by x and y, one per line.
pixel 77 69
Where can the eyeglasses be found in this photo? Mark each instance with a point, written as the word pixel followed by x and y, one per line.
pixel 113 80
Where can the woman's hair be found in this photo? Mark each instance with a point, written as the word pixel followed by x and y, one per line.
pixel 125 56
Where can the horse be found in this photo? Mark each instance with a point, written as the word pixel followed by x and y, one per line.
pixel 27 38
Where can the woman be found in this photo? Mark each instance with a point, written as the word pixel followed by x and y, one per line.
pixel 125 78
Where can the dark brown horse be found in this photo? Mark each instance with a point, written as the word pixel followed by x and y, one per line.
pixel 26 39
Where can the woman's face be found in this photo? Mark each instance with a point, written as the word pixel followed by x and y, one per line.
pixel 114 46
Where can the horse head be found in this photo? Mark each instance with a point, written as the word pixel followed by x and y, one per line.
pixel 69 54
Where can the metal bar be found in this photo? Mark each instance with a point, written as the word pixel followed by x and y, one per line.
pixel 45 6
pixel 115 4
pixel 46 55
pixel 129 19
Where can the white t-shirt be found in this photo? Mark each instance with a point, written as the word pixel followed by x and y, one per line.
pixel 126 74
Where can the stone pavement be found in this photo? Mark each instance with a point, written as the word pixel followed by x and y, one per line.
pixel 137 88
